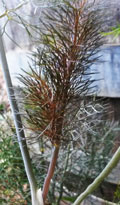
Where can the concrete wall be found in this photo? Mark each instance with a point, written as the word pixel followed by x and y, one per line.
pixel 32 13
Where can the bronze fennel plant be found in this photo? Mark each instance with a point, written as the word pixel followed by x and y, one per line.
pixel 60 76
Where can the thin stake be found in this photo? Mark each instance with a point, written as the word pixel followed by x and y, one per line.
pixel 18 122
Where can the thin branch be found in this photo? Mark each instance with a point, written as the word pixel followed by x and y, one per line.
pixel 106 171
pixel 6 13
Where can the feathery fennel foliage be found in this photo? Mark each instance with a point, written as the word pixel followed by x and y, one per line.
pixel 60 77
pixel 60 74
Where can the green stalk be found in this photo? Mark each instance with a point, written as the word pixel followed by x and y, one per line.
pixel 106 171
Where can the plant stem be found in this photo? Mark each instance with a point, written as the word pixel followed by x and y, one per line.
pixel 50 172
pixel 18 124
pixel 113 162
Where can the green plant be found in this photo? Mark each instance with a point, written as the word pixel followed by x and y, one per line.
pixel 14 186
